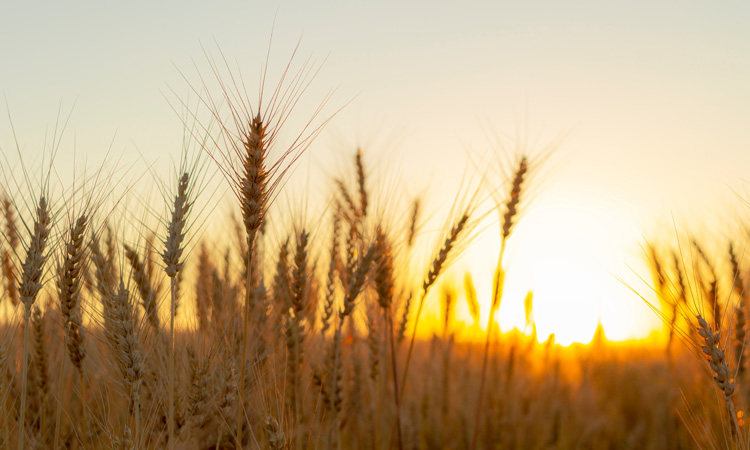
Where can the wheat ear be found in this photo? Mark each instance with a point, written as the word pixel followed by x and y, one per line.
pixel 712 290
pixel 471 298
pixel 361 184
pixel 145 287
pixel 127 351
pixel 412 234
pixel 11 236
pixel 351 213
pixel 276 440
pixel 404 324
pixel 719 366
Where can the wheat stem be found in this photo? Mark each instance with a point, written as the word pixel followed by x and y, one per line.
pixel 243 351
pixel 24 375
pixel 170 418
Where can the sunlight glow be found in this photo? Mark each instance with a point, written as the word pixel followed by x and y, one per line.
pixel 569 253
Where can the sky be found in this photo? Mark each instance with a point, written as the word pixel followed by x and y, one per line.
pixel 651 99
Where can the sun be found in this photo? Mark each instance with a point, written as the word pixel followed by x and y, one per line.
pixel 572 256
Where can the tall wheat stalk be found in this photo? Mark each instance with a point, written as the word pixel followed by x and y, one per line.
pixel 511 211
pixel 253 202
pixel 295 329
pixel 69 283
pixel 173 249
pixel 719 366
pixel 352 291
pixel 384 288
pixel 436 269
pixel 241 153
pixel 32 270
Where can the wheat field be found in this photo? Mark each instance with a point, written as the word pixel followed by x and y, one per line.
pixel 310 334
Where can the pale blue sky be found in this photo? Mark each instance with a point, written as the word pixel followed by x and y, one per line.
pixel 655 96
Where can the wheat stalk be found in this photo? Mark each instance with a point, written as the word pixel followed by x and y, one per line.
pixel 253 194
pixel 361 184
pixel 41 363
pixel 711 290
pixel 404 323
pixel 69 282
pixel 352 291
pixel 411 235
pixel 173 250
pixel 351 213
pixel 384 286
pixel 436 269
pixel 739 311
pixel 31 283
pixel 718 364
pixel 203 294
pixel 295 331
pixel 126 348
pixel 471 298
pixel 330 292
pixel 276 439
pixel 509 220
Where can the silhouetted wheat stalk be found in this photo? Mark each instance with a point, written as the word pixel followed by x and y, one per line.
pixel 509 218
